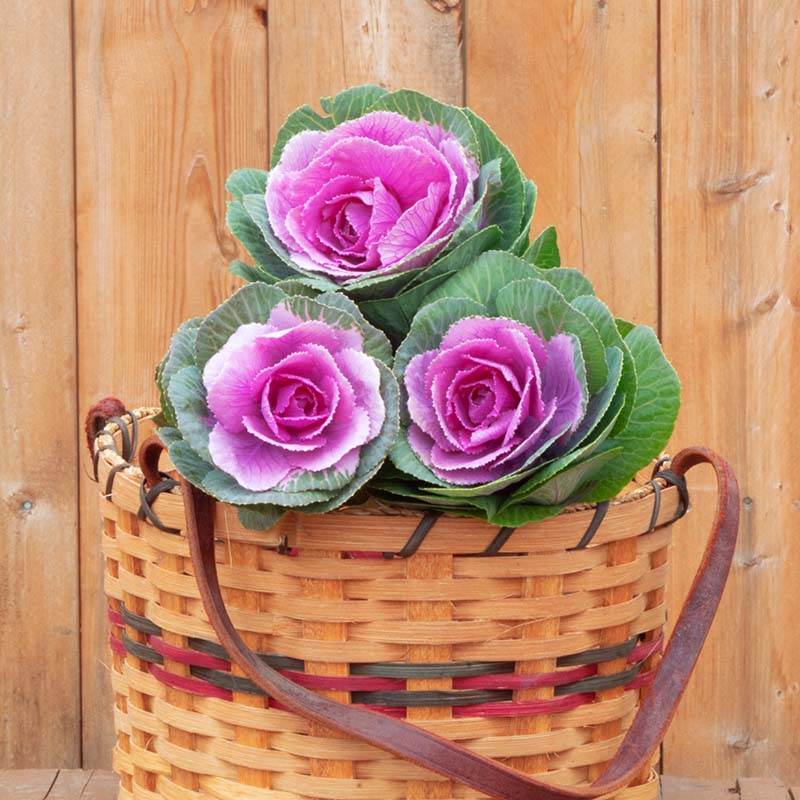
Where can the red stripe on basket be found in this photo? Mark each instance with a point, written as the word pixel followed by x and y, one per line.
pixel 643 680
pixel 190 685
pixel 116 645
pixel 115 618
pixel 184 656
pixel 644 650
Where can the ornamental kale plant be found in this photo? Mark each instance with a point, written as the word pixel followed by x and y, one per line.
pixel 382 197
pixel 512 390
pixel 522 393
pixel 276 401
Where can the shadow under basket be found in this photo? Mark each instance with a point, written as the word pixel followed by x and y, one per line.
pixel 531 649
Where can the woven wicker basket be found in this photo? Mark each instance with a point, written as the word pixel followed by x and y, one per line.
pixel 536 656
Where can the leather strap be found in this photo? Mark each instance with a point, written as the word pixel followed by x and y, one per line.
pixel 450 759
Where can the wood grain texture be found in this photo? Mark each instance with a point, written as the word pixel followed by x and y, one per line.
pixel 731 295
pixel 171 98
pixel 53 784
pixel 572 89
pixel 319 47
pixel 39 633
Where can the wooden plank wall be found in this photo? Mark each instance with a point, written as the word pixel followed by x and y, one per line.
pixel 663 140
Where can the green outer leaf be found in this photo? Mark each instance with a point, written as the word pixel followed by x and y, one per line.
pixel 603 320
pixel 328 480
pixel 224 487
pixel 487 489
pixel 600 403
pixel 545 472
pixel 406 460
pixel 188 463
pixel 493 270
pixel 351 103
pixel 624 327
pixel 482 279
pixel 544 250
pixel 169 435
pixel 246 181
pixel 506 204
pixel 259 518
pixel 250 273
pixel 179 355
pixel 248 233
pixel 374 453
pixel 296 287
pixel 415 105
pixel 395 314
pixel 653 417
pixel 429 327
pixel 543 308
pixel 251 303
pixel 461 255
pixel 572 283
pixel 520 244
pixel 188 396
pixel 301 119
pixel 565 486
pixel 522 514
pixel 375 342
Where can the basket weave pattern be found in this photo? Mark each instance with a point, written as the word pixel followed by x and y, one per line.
pixel 540 655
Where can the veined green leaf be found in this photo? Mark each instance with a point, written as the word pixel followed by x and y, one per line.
pixel 351 103
pixel 540 306
pixel 416 106
pixel 250 273
pixel 179 355
pixel 544 250
pixel 223 487
pixel 188 397
pixel 506 201
pixel 429 327
pixel 520 244
pixel 375 342
pixel 251 303
pixel 259 518
pixel 248 233
pixel 653 416
pixel 565 486
pixel 603 321
pixel 246 181
pixel 302 119
pixel 394 314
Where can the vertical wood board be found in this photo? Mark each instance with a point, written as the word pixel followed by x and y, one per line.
pixel 731 295
pixel 171 98
pixel 572 89
pixel 39 633
pixel 319 47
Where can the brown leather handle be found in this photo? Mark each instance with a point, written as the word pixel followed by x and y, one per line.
pixel 450 759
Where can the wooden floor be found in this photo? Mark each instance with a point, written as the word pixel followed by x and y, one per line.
pixel 76 784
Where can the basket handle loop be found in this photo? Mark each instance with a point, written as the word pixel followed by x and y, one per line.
pixel 448 758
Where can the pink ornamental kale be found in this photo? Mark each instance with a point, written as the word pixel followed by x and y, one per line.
pixel 489 397
pixel 291 396
pixel 375 193
pixel 279 401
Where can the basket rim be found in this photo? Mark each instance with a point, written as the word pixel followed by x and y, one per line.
pixel 640 510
